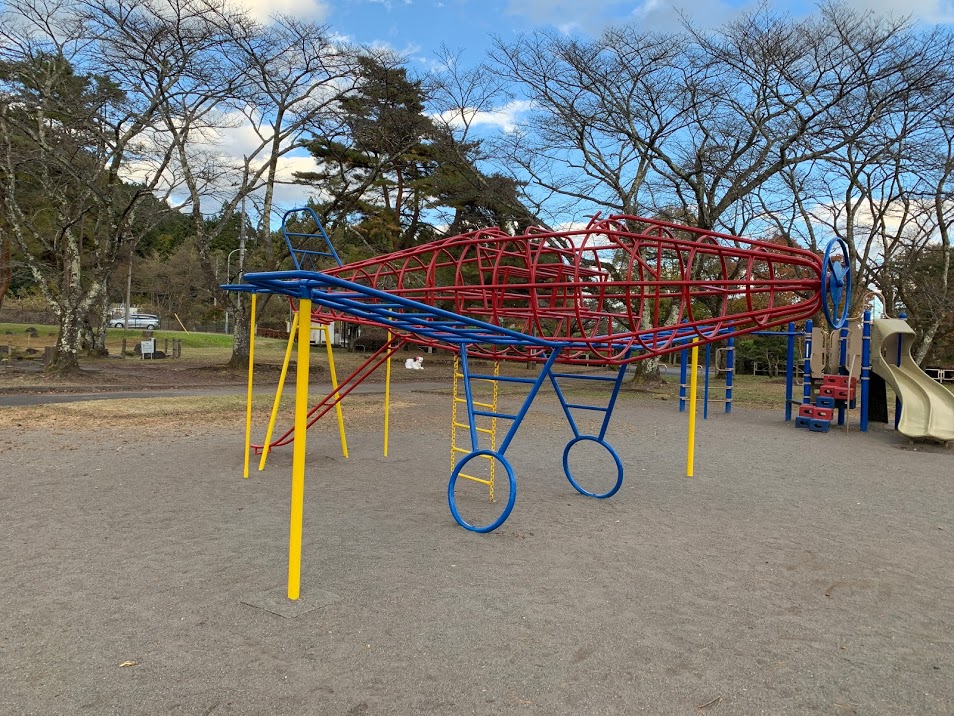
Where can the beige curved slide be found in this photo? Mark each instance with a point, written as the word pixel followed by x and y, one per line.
pixel 927 407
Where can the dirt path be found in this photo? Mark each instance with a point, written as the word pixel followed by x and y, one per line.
pixel 796 573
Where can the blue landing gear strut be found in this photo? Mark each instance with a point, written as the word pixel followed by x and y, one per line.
pixel 579 437
pixel 498 455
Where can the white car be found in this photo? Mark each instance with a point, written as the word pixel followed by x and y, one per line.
pixel 136 320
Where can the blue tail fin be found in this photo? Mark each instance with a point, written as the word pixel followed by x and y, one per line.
pixel 305 258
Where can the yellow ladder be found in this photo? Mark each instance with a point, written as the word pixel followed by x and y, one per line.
pixel 480 429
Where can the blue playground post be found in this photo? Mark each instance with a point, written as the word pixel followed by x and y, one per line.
pixel 865 368
pixel 842 368
pixel 807 365
pixel 683 373
pixel 729 372
pixel 789 371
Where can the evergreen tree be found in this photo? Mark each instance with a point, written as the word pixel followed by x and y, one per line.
pixel 391 178
pixel 376 175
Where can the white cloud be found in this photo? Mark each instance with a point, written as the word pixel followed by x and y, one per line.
pixel 665 15
pixel 591 17
pixel 935 11
pixel 504 118
pixel 410 49
pixel 240 140
pixel 896 215
pixel 262 10
pixel 288 195
pixel 227 146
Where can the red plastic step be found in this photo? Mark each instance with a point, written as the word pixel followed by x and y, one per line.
pixel 837 393
pixel 839 381
pixel 815 411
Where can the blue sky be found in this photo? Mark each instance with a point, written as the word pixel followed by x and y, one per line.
pixel 416 29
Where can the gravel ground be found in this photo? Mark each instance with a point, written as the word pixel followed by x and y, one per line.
pixel 796 573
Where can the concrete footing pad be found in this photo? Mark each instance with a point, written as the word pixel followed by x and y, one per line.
pixel 274 600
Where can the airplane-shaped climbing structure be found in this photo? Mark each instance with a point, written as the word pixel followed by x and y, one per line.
pixel 620 290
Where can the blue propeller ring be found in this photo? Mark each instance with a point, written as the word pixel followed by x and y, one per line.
pixel 836 284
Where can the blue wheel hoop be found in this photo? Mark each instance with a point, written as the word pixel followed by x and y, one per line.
pixel 610 450
pixel 451 500
pixel 836 284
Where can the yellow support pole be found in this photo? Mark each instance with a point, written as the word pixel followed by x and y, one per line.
pixel 251 372
pixel 278 393
pixel 387 399
pixel 298 456
pixel 334 386
pixel 693 391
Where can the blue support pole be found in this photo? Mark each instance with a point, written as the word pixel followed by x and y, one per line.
pixel 790 372
pixel 534 389
pixel 729 373
pixel 705 388
pixel 807 365
pixel 865 368
pixel 683 372
pixel 469 395
pixel 843 368
pixel 612 401
pixel 568 407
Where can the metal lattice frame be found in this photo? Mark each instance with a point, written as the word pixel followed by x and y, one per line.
pixel 620 290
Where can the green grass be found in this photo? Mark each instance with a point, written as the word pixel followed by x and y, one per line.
pixel 754 390
pixel 197 347
pixel 17 331
pixel 188 340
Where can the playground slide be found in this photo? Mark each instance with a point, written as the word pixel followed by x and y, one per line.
pixel 927 407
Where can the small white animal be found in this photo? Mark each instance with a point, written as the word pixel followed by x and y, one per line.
pixel 414 363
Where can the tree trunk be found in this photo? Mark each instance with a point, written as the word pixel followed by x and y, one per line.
pixel 927 341
pixel 647 371
pixel 6 266
pixel 99 336
pixel 72 306
pixel 66 351
pixel 242 337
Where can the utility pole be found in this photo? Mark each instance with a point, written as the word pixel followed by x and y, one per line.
pixel 241 265
pixel 128 290
pixel 241 261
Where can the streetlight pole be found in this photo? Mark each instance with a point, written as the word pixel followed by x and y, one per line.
pixel 228 279
pixel 241 259
pixel 228 266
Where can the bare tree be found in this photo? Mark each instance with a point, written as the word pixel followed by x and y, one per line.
pixel 721 127
pixel 73 130
pixel 474 185
pixel 596 112
pixel 702 119
pixel 880 188
pixel 281 80
pixel 294 74
pixel 924 267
